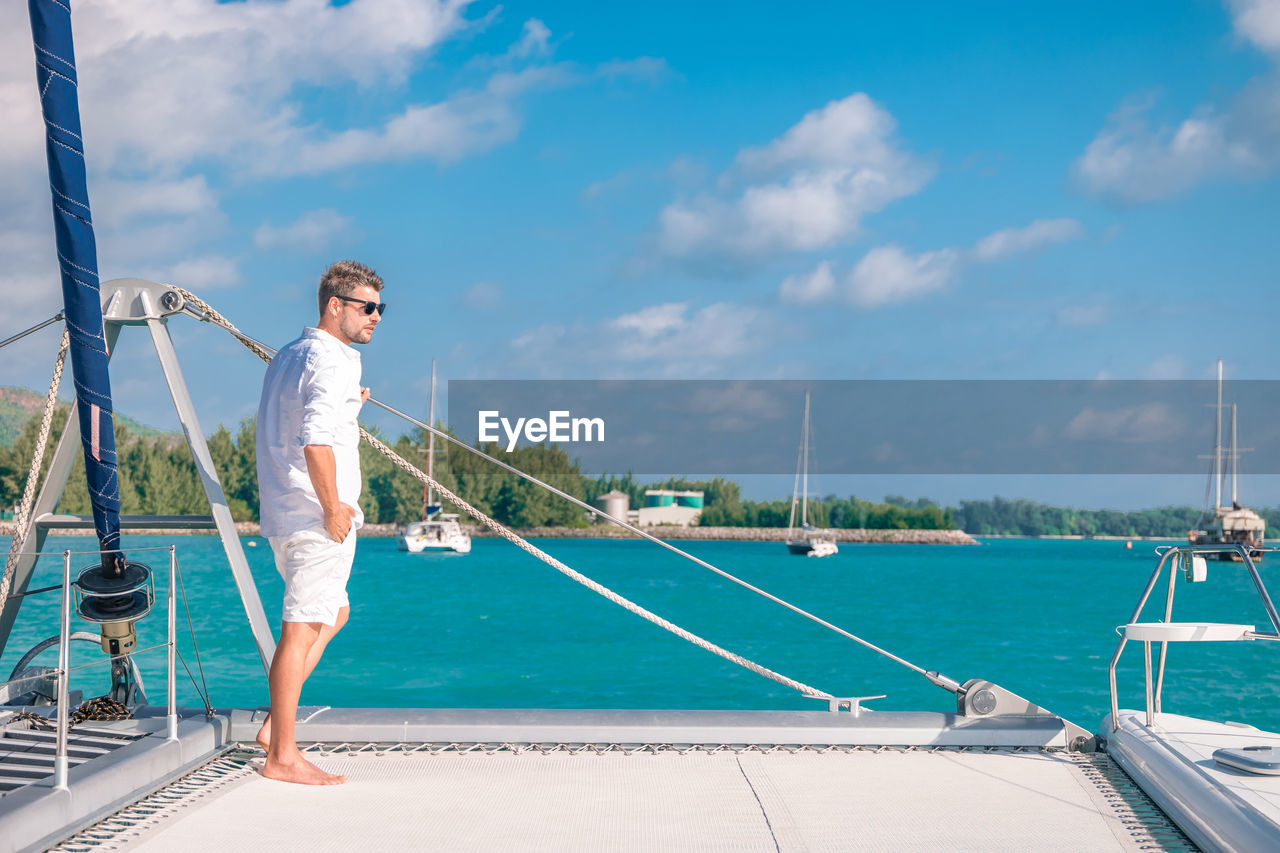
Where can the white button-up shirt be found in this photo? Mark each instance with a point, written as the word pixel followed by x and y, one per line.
pixel 311 395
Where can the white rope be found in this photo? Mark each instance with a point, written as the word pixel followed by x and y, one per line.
pixel 513 537
pixel 19 540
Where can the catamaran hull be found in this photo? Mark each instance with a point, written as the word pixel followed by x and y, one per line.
pixel 436 534
pixel 807 548
pixel 1213 540
pixel 1217 806
pixel 417 545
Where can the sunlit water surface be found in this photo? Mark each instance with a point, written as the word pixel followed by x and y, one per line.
pixel 497 628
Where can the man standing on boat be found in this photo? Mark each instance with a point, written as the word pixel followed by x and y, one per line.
pixel 309 487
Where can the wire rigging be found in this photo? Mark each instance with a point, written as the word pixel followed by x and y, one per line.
pixel 201 310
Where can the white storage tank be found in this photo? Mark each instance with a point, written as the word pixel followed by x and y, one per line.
pixel 615 503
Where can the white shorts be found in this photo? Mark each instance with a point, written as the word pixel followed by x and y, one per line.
pixel 315 571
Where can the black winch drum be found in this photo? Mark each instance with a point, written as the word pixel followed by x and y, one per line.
pixel 115 602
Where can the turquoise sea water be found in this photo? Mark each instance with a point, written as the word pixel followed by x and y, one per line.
pixel 497 628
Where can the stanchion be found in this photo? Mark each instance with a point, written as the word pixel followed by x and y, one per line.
pixel 64 674
pixel 173 644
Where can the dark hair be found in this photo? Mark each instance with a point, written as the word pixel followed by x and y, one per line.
pixel 342 278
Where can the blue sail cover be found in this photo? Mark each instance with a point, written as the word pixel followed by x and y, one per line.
pixel 78 261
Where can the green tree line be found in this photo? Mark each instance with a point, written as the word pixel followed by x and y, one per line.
pixel 158 476
pixel 830 511
pixel 1029 518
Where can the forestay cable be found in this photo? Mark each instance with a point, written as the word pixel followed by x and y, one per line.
pixel 945 682
pixel 938 679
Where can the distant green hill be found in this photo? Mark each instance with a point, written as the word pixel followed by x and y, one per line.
pixel 18 405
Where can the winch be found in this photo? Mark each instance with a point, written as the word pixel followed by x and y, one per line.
pixel 114 594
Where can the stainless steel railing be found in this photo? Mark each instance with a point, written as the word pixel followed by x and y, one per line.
pixel 1173 556
pixel 64 670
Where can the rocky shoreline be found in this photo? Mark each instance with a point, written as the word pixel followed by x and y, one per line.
pixel 749 534
pixel 601 531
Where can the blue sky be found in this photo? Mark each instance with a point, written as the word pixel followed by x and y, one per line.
pixel 587 190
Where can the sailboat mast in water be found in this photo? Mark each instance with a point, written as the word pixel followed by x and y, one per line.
pixel 1235 454
pixel 804 491
pixel 431 445
pixel 1219 474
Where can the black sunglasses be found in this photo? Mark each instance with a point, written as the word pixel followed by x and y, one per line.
pixel 369 307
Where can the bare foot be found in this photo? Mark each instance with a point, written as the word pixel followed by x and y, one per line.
pixel 264 735
pixel 299 771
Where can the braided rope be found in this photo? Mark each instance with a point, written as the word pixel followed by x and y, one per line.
pixel 211 315
pixel 514 538
pixel 19 540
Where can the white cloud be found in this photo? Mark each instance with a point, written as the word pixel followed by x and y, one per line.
pixel 172 88
pixel 1169 366
pixel 655 320
pixel 177 95
pixel 670 339
pixel 117 202
pixel 1134 424
pixel 165 83
pixel 314 231
pixel 539 339
pixel 482 296
pixel 1131 162
pixel 205 272
pixel 29 278
pixel 615 183
pixel 465 124
pixel 850 133
pixel 649 68
pixel 805 288
pixel 889 274
pixel 1042 232
pixel 534 40
pixel 669 333
pixel 808 189
pixel 446 131
pixel 170 84
pixel 156 242
pixel 1258 21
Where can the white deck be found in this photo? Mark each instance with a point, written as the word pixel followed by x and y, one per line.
pixel 780 801
pixel 564 781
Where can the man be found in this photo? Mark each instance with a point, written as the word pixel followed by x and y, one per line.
pixel 309 488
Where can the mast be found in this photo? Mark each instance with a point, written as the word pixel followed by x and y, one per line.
pixel 795 489
pixel 431 444
pixel 78 264
pixel 804 452
pixel 1234 454
pixel 1217 445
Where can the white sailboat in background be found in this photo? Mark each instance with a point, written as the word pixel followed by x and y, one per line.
pixel 436 531
pixel 811 542
pixel 1233 524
